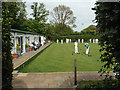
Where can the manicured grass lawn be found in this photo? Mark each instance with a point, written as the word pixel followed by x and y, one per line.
pixel 59 58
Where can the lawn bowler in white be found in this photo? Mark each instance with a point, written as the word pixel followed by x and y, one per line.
pixel 96 40
pixel 76 46
pixel 70 40
pixel 87 47
pixel 78 40
pixel 61 41
pixel 82 40
pixel 90 40
pixel 67 40
pixel 93 41
pixel 57 41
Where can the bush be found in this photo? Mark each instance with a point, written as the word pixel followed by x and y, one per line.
pixel 26 45
pixel 18 47
pixel 109 83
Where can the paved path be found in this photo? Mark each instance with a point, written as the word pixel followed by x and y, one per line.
pixel 25 56
pixel 51 80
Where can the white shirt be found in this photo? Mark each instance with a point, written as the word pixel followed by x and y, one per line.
pixel 35 46
pixel 76 44
pixel 31 45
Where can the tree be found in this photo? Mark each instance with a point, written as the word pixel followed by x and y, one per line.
pixel 63 15
pixel 89 30
pixel 21 17
pixel 13 12
pixel 39 13
pixel 9 12
pixel 22 13
pixel 49 31
pixel 40 17
pixel 108 19
pixel 62 29
pixel 27 25
pixel 38 27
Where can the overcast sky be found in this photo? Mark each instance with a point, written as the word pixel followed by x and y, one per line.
pixel 81 10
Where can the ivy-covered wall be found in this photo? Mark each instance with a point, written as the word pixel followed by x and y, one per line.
pixel 9 10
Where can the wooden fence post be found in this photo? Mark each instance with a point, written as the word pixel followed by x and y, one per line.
pixel 75 73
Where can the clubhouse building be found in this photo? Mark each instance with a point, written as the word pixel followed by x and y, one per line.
pixel 23 37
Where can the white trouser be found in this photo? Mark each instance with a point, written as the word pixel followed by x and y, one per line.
pixel 87 50
pixel 61 41
pixel 76 49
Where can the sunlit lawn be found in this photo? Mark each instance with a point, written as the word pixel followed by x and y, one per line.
pixel 59 58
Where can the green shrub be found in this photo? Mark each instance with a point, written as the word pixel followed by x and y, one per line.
pixel 104 84
pixel 26 45
pixel 99 84
pixel 18 47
